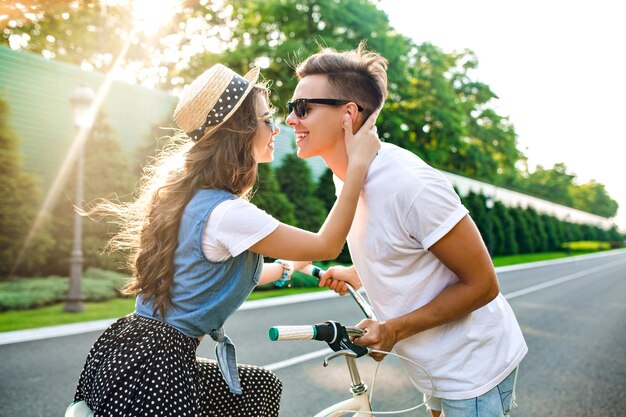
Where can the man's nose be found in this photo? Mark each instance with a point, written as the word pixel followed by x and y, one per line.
pixel 291 120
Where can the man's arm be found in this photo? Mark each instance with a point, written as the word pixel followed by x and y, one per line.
pixel 463 251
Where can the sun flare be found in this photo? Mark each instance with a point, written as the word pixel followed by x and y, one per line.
pixel 150 15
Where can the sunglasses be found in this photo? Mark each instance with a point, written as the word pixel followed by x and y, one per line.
pixel 299 105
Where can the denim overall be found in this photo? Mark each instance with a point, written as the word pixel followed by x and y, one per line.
pixel 204 293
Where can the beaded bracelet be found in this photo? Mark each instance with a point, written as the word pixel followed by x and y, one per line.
pixel 287 272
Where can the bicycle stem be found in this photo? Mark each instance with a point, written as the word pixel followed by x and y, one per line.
pixel 357 387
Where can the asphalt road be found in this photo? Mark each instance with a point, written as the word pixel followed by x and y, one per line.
pixel 573 316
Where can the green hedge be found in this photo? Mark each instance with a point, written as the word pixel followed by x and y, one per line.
pixel 517 230
pixel 24 293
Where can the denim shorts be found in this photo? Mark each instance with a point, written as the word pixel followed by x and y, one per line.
pixel 495 403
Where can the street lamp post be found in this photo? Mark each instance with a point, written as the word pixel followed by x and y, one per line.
pixel 81 100
pixel 489 202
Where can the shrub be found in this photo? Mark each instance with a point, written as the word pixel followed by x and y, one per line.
pixel 20 194
pixel 33 292
pixel 586 246
pixel 24 293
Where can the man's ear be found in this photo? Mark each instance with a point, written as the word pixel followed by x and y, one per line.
pixel 355 115
pixel 353 111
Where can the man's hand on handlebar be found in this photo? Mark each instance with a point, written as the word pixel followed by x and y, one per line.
pixel 335 277
pixel 377 336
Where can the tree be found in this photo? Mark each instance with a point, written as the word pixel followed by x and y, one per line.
pixel 553 184
pixel 79 32
pixel 268 196
pixel 523 234
pixel 552 232
pixel 573 232
pixel 558 184
pixel 616 236
pixel 294 177
pixel 537 230
pixel 434 107
pixel 325 189
pixel 593 198
pixel 273 32
pixel 108 174
pixel 91 33
pixel 509 245
pixel 475 204
pixel 19 199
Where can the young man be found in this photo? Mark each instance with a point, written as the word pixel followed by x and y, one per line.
pixel 416 251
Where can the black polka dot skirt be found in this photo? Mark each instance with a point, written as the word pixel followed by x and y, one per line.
pixel 144 367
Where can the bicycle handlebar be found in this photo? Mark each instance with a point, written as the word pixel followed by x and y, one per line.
pixel 331 332
pixel 313 271
pixel 364 305
pixel 326 332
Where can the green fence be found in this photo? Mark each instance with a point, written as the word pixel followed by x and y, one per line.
pixel 38 90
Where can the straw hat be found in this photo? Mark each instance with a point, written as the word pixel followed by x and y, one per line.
pixel 211 99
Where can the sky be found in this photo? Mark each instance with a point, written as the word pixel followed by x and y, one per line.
pixel 558 68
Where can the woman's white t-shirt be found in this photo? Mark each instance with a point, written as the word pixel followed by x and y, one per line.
pixel 233 227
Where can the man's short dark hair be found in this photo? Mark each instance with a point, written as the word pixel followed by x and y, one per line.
pixel 358 75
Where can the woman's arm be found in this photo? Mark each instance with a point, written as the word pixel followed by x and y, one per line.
pixel 289 242
pixel 274 271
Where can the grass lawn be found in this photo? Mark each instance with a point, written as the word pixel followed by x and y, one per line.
pixel 532 257
pixel 117 307
pixel 54 314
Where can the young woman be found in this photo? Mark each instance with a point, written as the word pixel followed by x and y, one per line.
pixel 196 248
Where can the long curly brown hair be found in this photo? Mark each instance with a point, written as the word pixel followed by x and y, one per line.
pixel 149 225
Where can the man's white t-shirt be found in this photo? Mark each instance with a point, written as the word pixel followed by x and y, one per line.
pixel 234 226
pixel 405 207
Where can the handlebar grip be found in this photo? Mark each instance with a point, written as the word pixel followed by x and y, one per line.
pixel 322 331
pixel 307 332
pixel 317 272
pixel 313 271
pixel 364 305
pixel 331 332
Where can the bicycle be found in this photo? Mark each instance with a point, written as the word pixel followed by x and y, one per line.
pixel 338 338
pixel 81 409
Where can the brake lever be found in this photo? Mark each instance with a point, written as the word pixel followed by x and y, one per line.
pixel 342 341
pixel 345 352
